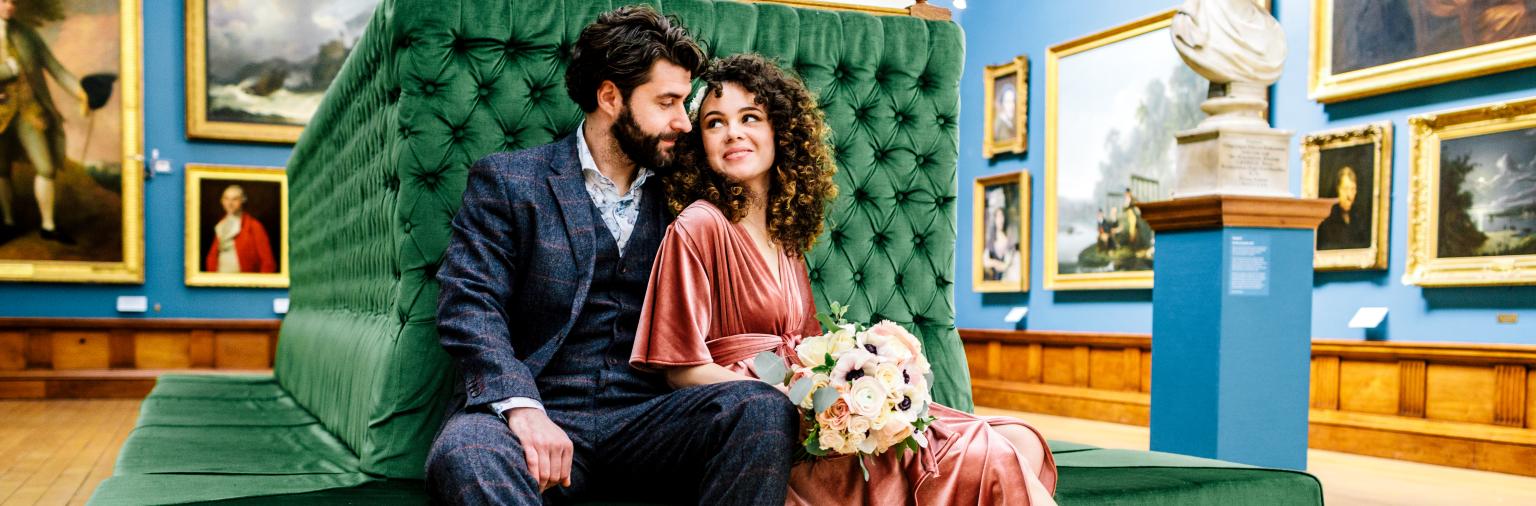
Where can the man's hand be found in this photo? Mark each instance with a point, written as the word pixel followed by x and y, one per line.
pixel 546 447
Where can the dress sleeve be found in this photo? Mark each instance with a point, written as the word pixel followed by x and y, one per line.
pixel 679 305
pixel 811 326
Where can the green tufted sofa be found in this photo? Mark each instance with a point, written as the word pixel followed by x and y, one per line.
pixel 433 85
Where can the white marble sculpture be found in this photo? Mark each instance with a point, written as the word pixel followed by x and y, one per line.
pixel 1240 48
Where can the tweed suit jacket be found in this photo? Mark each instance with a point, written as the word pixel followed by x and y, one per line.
pixel 517 269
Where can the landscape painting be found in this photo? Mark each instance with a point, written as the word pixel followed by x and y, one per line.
pixel 1117 98
pixel 258 69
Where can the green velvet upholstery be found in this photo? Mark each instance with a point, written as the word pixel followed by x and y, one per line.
pixel 433 85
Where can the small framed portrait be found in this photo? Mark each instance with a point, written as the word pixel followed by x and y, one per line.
pixel 237 226
pixel 1001 231
pixel 1472 202
pixel 1007 111
pixel 1354 167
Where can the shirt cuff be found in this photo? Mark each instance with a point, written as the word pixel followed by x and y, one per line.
pixel 502 406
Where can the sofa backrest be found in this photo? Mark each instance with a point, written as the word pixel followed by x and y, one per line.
pixel 434 85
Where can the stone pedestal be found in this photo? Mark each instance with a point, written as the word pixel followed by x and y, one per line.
pixel 1231 327
pixel 1233 160
pixel 1233 151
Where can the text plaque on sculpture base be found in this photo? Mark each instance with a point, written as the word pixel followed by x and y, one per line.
pixel 1231 327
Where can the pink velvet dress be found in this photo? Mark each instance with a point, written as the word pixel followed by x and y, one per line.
pixel 712 298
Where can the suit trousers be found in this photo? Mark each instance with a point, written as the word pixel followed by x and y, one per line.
pixel 725 443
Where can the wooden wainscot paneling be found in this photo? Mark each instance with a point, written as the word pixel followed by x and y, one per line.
pixel 1464 405
pixel 121 357
pixel 1083 375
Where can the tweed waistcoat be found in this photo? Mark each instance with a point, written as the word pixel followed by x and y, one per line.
pixel 591 370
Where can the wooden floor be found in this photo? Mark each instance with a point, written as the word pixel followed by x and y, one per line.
pixel 1348 479
pixel 55 452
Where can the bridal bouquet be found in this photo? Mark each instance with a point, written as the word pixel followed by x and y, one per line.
pixel 862 390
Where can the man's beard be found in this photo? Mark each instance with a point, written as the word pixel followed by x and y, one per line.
pixel 642 148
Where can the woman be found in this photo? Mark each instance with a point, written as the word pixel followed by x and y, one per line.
pixel 730 282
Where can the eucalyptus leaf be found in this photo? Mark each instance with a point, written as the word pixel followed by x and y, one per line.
pixel 770 367
pixel 928 377
pixel 823 399
pixel 800 389
pixel 813 445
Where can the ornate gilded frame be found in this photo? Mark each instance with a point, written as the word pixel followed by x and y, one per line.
pixel 978 243
pixel 1327 87
pixel 1019 68
pixel 1379 135
pixel 194 274
pixel 1054 280
pixel 198 124
pixel 131 269
pixel 1425 268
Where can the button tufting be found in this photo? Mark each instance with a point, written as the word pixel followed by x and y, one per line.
pixel 858 276
pixel 428 89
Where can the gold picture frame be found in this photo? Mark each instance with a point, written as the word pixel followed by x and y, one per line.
pixel 1006 131
pixel 1331 158
pixel 1441 64
pixel 1000 263
pixel 128 268
pixel 1490 238
pixel 207 187
pixel 1121 255
pixel 262 97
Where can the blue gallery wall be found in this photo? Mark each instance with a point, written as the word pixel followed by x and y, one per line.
pixel 996 31
pixel 164 129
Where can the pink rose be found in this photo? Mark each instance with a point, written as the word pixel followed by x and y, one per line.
pixel 835 417
pixel 897 335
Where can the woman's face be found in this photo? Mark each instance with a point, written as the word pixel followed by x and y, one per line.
pixel 738 140
pixel 7 9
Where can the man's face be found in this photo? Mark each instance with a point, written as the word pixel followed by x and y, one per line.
pixel 7 9
pixel 654 116
pixel 233 198
pixel 1346 193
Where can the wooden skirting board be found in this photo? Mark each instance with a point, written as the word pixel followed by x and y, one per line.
pixel 1462 405
pixel 120 357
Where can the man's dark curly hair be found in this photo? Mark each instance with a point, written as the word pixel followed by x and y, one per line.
pixel 800 186
pixel 621 46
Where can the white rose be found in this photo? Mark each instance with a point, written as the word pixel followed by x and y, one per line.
pixel 843 340
pixel 858 425
pixel 832 441
pixel 879 422
pixel 812 351
pixel 866 397
pixel 889 376
pixel 853 443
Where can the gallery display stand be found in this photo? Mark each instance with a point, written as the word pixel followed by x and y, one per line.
pixel 1231 326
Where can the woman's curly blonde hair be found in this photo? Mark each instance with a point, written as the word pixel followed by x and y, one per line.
pixel 801 183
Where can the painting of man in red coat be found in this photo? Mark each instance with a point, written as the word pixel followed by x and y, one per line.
pixel 240 242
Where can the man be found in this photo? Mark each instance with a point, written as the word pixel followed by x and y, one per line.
pixel 29 121
pixel 240 243
pixel 1347 226
pixel 542 286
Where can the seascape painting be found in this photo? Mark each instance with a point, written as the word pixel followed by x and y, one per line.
pixel 1488 195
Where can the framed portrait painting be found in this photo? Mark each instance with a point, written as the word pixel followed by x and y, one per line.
pixel 1001 230
pixel 1114 101
pixel 1369 47
pixel 237 226
pixel 1354 167
pixel 1007 109
pixel 71 180
pixel 258 69
pixel 1472 211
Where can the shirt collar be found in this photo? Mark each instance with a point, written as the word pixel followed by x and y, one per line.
pixel 589 165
